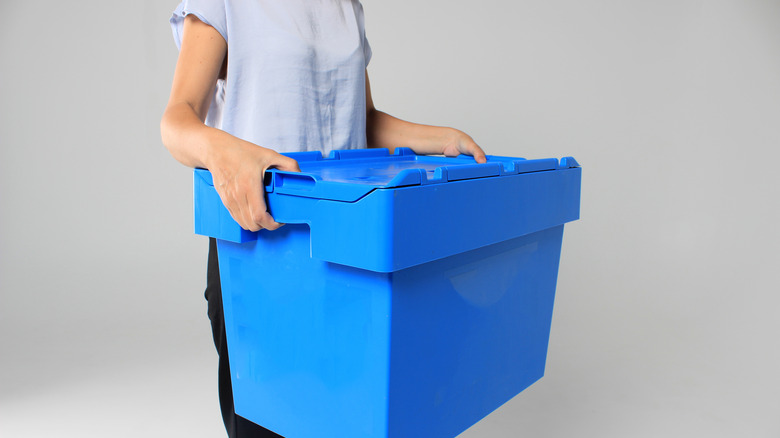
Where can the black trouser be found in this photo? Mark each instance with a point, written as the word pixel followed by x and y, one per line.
pixel 237 427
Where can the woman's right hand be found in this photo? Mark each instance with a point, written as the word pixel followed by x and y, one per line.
pixel 238 169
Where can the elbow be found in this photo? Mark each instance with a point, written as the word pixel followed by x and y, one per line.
pixel 181 134
pixel 166 131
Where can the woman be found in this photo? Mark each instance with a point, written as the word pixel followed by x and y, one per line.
pixel 258 77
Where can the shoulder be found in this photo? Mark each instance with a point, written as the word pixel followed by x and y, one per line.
pixel 210 12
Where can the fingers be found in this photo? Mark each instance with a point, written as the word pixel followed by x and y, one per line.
pixel 461 143
pixel 246 205
pixel 473 149
pixel 252 211
pixel 288 164
pixel 257 216
pixel 257 211
pixel 479 154
pixel 238 171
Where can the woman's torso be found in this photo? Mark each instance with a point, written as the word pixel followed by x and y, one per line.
pixel 295 77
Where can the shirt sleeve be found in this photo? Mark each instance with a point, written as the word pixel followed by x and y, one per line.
pixel 367 53
pixel 366 49
pixel 211 12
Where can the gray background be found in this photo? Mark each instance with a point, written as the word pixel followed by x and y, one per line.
pixel 665 322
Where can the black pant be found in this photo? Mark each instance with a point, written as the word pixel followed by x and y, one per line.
pixel 236 426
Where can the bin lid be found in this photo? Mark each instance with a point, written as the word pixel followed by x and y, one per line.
pixel 348 175
pixel 396 222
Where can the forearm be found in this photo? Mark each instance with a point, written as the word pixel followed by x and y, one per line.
pixel 386 131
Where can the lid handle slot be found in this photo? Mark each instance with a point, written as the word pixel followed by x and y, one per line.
pixel 295 181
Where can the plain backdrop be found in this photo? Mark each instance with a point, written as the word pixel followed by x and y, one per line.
pixel 666 311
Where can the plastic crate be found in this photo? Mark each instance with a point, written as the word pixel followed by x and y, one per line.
pixel 407 296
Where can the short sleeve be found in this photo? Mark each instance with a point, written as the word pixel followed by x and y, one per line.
pixel 361 20
pixel 366 49
pixel 211 12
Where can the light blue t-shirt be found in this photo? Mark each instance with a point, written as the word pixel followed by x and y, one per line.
pixel 295 71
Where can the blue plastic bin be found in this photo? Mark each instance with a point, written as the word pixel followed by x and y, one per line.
pixel 407 296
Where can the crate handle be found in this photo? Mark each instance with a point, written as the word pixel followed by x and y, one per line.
pixel 295 181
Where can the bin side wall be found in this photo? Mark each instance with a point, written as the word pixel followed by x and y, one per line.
pixel 308 340
pixel 469 332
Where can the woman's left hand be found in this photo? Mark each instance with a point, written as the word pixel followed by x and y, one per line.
pixel 458 142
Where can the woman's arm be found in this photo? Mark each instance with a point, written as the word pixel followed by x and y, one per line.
pixel 384 130
pixel 237 166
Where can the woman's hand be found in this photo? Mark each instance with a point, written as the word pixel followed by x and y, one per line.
pixel 458 142
pixel 238 169
pixel 386 131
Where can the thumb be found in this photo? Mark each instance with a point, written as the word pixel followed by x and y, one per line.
pixel 479 156
pixel 286 163
pixel 475 151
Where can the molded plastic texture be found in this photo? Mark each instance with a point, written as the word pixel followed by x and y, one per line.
pixel 407 296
